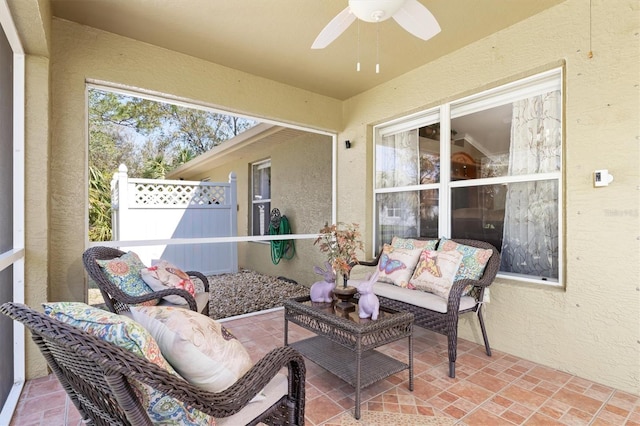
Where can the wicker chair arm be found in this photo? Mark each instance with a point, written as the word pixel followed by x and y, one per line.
pixel 157 295
pixel 373 262
pixel 201 277
pixel 453 304
pixel 489 274
pixel 238 395
pixel 126 299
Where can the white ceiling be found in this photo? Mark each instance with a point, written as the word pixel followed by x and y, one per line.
pixel 272 38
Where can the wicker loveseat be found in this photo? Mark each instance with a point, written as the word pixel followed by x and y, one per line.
pixel 118 301
pixel 433 312
pixel 98 378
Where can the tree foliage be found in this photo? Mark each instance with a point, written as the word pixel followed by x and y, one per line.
pixel 99 206
pixel 151 138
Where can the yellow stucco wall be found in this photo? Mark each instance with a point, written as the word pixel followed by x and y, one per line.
pixel 36 194
pixel 591 328
pixel 301 190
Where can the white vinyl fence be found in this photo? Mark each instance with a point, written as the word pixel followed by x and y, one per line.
pixel 151 209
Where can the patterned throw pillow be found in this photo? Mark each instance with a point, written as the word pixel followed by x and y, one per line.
pixel 396 264
pixel 435 272
pixel 124 272
pixel 474 260
pixel 411 243
pixel 163 275
pixel 126 333
pixel 199 348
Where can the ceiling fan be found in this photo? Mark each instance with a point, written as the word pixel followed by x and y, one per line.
pixel 410 14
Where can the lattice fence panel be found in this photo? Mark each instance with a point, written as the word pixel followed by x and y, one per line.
pixel 149 194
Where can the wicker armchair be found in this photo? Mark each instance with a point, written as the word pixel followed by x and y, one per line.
pixel 118 301
pixel 96 374
pixel 447 323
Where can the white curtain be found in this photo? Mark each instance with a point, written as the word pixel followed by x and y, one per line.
pixel 398 160
pixel 398 165
pixel 530 240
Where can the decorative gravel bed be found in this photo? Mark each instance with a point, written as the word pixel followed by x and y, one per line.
pixel 248 291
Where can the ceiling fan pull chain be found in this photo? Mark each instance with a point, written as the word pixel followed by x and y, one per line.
pixel 378 48
pixel 358 48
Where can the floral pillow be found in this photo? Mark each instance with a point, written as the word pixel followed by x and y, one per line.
pixel 126 333
pixel 411 243
pixel 474 260
pixel 199 348
pixel 124 272
pixel 396 264
pixel 435 272
pixel 164 275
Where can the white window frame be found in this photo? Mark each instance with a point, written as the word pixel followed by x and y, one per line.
pixel 15 257
pixel 543 82
pixel 263 164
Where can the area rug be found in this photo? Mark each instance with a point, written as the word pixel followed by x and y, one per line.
pixel 379 418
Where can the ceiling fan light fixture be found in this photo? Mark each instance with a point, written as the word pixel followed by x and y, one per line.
pixel 375 10
pixel 409 14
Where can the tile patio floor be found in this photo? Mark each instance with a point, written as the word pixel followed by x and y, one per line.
pixel 497 390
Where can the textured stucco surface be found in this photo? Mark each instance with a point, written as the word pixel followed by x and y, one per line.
pixel 301 190
pixel 592 327
pixel 33 21
pixel 36 194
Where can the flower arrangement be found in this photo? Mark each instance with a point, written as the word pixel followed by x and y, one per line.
pixel 340 241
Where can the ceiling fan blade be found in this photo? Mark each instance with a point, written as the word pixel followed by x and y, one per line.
pixel 416 19
pixel 334 28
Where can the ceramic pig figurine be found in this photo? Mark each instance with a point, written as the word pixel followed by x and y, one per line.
pixel 368 305
pixel 322 291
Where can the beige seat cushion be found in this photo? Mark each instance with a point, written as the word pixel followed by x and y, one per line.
pixel 274 390
pixel 418 298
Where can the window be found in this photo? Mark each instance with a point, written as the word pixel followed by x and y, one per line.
pixel 501 182
pixel 260 197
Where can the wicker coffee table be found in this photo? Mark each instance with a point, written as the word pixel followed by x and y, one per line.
pixel 344 344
